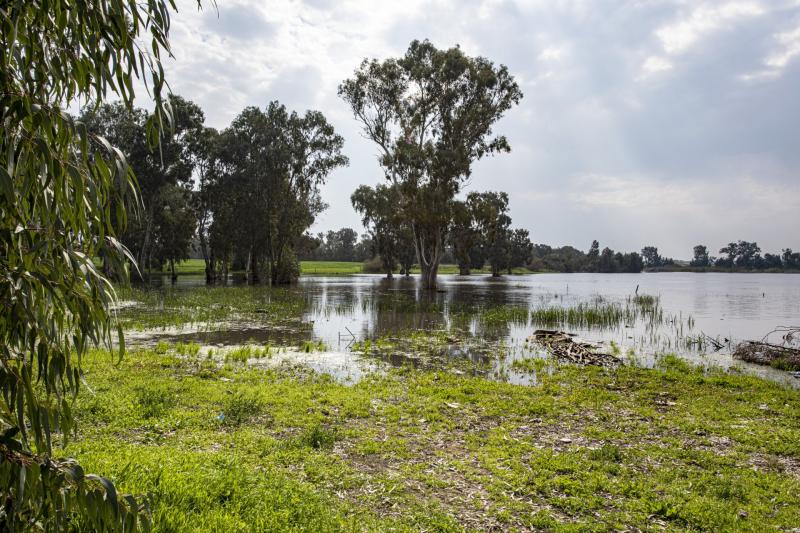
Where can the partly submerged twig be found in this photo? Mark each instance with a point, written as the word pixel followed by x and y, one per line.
pixel 566 348
pixel 783 356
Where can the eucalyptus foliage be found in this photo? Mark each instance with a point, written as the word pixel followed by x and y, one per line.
pixel 431 114
pixel 63 198
pixel 391 235
pixel 266 172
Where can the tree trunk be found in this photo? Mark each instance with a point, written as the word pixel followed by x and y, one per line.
pixel 208 257
pixel 211 273
pixel 252 267
pixel 429 273
pixel 429 256
pixel 463 270
pixel 144 253
pixel 172 269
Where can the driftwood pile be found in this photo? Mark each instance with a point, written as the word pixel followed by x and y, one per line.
pixel 564 346
pixel 785 355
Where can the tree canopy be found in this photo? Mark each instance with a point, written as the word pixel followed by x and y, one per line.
pixel 161 232
pixel 266 170
pixel 63 197
pixel 431 114
pixel 391 234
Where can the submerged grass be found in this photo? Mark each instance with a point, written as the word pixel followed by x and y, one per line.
pixel 585 315
pixel 168 307
pixel 228 447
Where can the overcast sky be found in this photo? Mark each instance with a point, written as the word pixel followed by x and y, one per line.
pixel 662 122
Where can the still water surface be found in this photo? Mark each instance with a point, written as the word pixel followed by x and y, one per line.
pixel 726 307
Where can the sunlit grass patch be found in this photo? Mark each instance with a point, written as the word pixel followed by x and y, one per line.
pixel 235 447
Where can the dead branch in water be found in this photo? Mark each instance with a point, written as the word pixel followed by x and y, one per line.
pixel 564 347
pixel 784 356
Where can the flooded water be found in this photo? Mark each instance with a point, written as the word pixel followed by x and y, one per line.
pixel 345 311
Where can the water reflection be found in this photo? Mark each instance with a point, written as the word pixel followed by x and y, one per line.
pixel 345 310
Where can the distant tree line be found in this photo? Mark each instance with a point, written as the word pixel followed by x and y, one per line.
pixel 570 259
pixel 740 256
pixel 745 256
pixel 341 245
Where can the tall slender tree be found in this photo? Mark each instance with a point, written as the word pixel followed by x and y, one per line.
pixel 431 114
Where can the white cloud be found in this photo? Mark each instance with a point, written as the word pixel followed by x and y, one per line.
pixel 790 41
pixel 655 64
pixel 788 47
pixel 682 35
pixel 750 196
pixel 552 54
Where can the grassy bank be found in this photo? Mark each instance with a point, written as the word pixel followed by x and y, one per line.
pixel 327 268
pixel 234 448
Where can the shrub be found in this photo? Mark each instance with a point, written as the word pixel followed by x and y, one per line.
pixel 374 266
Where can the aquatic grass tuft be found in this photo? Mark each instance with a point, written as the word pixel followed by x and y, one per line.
pixel 242 354
pixel 313 346
pixel 584 315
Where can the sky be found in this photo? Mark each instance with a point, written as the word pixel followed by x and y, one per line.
pixel 663 122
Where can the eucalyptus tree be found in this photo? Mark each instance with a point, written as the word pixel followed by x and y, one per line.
pixel 269 166
pixel 464 236
pixel 790 258
pixel 340 245
pixel 390 232
pixel 700 256
pixel 651 257
pixel 520 248
pixel 63 198
pixel 593 256
pixel 175 223
pixel 203 150
pixel 490 213
pixel 431 114
pixel 159 171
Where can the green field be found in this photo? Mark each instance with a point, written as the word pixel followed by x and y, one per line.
pixel 330 267
pixel 228 447
pixel 197 267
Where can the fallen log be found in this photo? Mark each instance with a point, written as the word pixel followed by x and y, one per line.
pixel 785 356
pixel 765 353
pixel 564 347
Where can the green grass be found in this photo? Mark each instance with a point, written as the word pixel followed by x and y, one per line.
pixel 326 268
pixel 227 447
pixel 330 267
